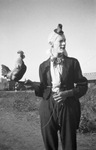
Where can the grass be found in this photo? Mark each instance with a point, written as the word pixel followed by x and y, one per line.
pixel 20 124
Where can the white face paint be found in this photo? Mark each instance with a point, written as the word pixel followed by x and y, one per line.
pixel 59 46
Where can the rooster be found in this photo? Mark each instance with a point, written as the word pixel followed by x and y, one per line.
pixel 19 70
pixel 14 75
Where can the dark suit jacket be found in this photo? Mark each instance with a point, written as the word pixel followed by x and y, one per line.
pixel 71 78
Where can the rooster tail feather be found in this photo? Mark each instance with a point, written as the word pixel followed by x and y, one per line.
pixel 4 70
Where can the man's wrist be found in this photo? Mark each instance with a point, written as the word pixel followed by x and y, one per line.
pixel 70 93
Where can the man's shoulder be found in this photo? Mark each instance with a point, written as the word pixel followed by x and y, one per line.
pixel 45 63
pixel 71 59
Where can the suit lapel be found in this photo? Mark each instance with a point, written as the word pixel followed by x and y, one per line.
pixel 48 72
pixel 64 70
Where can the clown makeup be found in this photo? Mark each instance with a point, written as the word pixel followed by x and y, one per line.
pixel 59 46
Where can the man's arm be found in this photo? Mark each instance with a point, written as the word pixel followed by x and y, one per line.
pixel 33 85
pixel 79 90
pixel 80 81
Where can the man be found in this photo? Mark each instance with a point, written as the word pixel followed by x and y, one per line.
pixel 52 37
pixel 61 86
pixel 20 68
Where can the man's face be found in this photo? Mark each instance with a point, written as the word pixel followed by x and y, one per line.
pixel 59 46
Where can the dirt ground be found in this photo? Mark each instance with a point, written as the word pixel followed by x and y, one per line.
pixel 20 124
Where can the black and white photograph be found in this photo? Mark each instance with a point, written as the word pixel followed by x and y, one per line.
pixel 47 74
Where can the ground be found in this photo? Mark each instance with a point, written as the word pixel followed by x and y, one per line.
pixel 20 124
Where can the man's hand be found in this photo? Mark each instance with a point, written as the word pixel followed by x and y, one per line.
pixel 28 82
pixel 62 95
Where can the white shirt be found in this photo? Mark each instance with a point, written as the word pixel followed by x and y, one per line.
pixel 56 71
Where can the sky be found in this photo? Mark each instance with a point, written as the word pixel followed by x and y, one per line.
pixel 26 24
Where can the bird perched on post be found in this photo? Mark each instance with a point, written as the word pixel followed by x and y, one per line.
pixel 19 70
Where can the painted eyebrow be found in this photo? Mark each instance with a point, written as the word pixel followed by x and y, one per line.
pixel 61 40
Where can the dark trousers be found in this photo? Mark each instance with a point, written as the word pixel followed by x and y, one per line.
pixel 57 117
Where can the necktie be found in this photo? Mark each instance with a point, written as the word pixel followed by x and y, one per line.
pixel 57 60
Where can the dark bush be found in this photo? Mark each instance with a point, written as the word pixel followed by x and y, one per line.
pixel 88 111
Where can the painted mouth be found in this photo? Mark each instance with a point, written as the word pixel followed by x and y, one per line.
pixel 60 54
